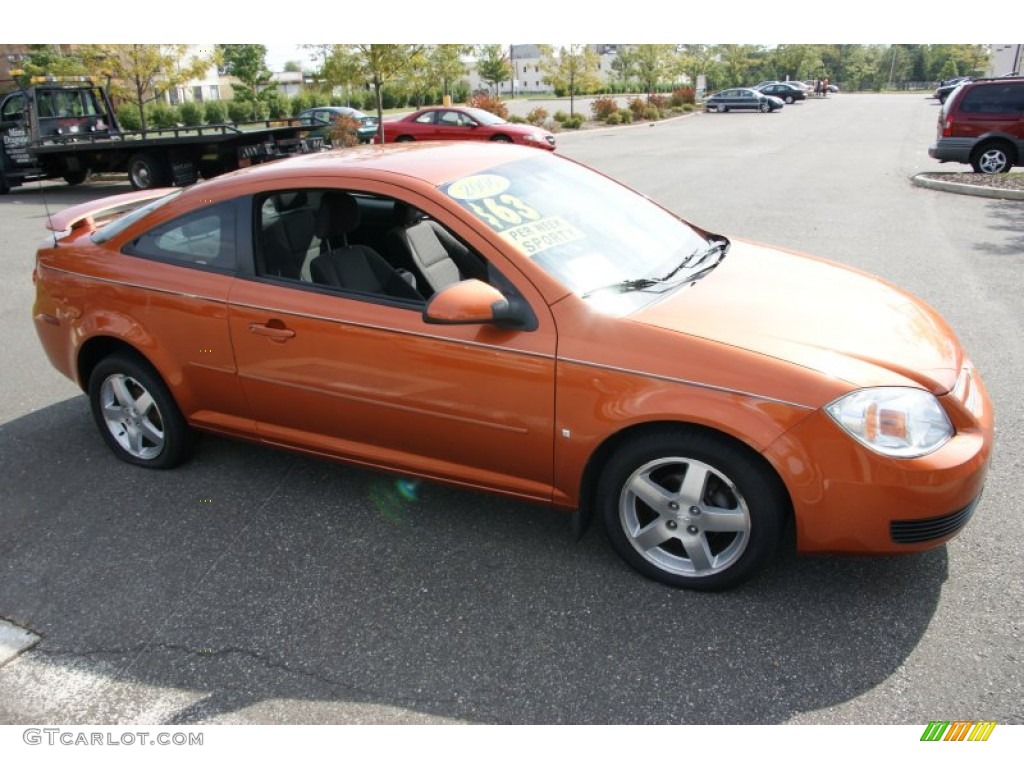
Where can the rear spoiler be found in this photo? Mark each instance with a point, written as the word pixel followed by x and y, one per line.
pixel 85 214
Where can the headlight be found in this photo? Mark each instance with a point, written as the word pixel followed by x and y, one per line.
pixel 535 137
pixel 894 421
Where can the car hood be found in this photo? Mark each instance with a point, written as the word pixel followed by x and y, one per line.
pixel 815 314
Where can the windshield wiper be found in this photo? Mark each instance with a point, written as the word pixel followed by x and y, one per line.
pixel 717 247
pixel 624 286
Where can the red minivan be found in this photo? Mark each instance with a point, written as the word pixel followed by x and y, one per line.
pixel 982 123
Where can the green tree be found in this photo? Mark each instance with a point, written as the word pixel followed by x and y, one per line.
pixel 53 60
pixel 343 67
pixel 446 64
pixel 144 73
pixel 700 60
pixel 573 70
pixel 651 64
pixel 247 63
pixel 493 66
pixel 381 64
pixel 795 62
pixel 624 66
pixel 739 64
pixel 948 70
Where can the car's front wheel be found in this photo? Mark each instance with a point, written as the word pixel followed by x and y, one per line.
pixel 992 158
pixel 691 508
pixel 765 107
pixel 136 413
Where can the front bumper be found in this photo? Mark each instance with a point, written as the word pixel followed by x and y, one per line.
pixel 849 499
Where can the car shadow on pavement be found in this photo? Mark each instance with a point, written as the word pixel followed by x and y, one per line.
pixel 252 585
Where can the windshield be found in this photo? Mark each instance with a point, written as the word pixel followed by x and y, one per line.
pixel 584 229
pixel 484 117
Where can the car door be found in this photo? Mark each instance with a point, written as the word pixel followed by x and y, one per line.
pixel 424 127
pixel 454 125
pixel 361 376
pixel 15 132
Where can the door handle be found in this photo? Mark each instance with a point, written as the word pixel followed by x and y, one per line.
pixel 274 330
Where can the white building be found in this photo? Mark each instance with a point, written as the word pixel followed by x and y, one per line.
pixel 1005 58
pixel 528 74
pixel 210 87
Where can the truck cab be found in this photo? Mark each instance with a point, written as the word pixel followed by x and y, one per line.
pixel 48 114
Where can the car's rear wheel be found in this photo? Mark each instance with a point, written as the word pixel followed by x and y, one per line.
pixel 136 413
pixel 691 508
pixel 502 139
pixel 404 138
pixel 993 157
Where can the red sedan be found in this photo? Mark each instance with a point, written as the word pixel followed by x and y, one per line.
pixel 464 124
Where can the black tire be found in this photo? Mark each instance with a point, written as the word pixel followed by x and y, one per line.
pixel 404 138
pixel 4 186
pixel 74 178
pixel 136 413
pixel 993 157
pixel 765 107
pixel 712 534
pixel 501 139
pixel 789 99
pixel 147 170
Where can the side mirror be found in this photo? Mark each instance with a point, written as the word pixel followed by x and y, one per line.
pixel 474 302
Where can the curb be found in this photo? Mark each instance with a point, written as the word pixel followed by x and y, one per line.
pixel 995 193
pixel 625 127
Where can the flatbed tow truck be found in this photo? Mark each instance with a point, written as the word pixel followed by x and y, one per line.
pixel 59 130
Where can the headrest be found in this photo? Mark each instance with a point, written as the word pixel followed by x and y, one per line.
pixel 404 215
pixel 338 215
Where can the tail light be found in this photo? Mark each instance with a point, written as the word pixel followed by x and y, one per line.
pixel 947 126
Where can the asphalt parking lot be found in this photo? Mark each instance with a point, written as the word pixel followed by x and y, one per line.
pixel 254 586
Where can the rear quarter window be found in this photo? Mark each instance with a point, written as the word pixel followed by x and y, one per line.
pixel 994 99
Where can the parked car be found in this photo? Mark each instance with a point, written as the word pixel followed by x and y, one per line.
pixel 508 320
pixel 788 93
pixel 982 123
pixel 946 87
pixel 365 131
pixel 742 98
pixel 464 124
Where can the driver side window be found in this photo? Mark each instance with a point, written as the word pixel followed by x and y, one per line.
pixel 369 246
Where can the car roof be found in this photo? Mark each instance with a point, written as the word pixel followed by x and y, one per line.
pixel 432 162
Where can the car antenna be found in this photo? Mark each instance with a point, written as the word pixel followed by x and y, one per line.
pixel 30 106
pixel 46 207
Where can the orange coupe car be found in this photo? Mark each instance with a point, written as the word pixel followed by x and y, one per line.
pixel 511 321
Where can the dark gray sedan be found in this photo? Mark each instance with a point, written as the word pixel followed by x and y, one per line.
pixel 788 93
pixel 325 116
pixel 741 98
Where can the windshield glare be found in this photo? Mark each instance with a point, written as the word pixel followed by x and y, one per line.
pixel 584 229
pixel 485 118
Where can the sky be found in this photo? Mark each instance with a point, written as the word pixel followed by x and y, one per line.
pixel 469 21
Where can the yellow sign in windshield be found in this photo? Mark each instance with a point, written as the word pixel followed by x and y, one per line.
pixel 540 235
